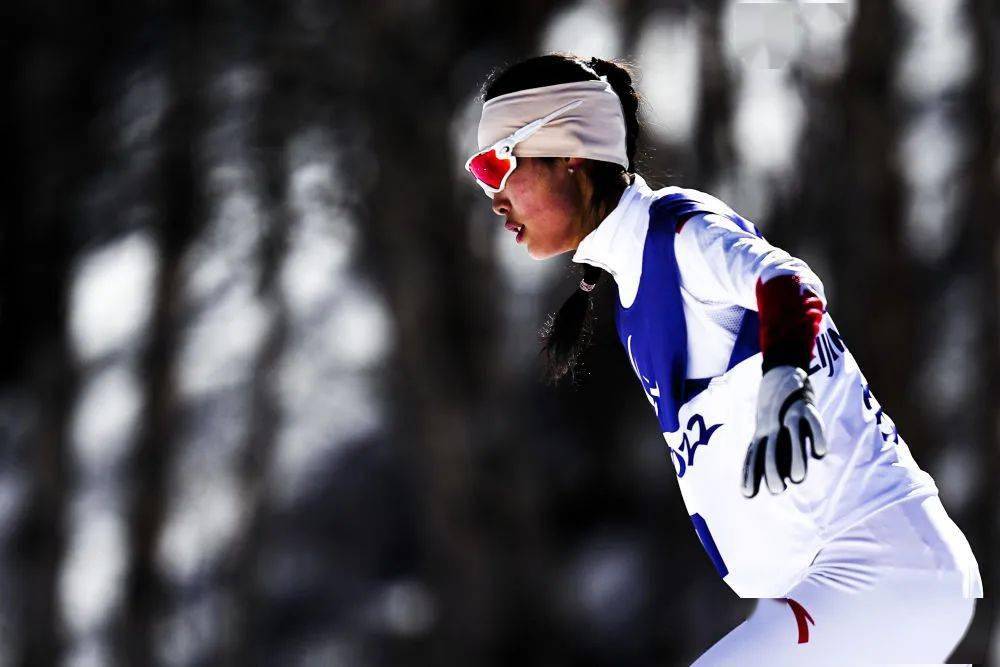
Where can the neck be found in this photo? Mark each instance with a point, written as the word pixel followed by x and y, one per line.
pixel 602 210
pixel 609 204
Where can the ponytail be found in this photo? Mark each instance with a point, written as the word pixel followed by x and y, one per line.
pixel 567 333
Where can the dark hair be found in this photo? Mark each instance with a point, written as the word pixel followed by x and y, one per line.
pixel 566 334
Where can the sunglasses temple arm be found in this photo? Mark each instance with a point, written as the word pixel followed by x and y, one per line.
pixel 534 125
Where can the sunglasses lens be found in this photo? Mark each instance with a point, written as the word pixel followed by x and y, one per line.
pixel 489 168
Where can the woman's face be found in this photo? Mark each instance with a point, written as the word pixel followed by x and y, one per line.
pixel 548 200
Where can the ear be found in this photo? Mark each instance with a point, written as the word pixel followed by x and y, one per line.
pixel 574 163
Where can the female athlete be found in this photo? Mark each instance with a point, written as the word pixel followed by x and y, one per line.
pixel 849 547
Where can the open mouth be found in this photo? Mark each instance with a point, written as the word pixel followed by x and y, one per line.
pixel 518 228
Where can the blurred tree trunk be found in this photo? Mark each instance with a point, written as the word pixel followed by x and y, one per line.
pixel 976 250
pixel 180 216
pixel 713 143
pixel 874 271
pixel 444 369
pixel 277 121
pixel 47 129
pixel 633 19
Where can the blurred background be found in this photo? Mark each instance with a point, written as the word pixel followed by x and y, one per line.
pixel 269 390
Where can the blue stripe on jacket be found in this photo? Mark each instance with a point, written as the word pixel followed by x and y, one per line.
pixel 653 329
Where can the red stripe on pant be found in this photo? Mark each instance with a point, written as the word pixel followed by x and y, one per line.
pixel 801 615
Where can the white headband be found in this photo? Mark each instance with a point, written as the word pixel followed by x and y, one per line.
pixel 594 129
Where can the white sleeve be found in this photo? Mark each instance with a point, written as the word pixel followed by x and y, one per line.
pixel 719 261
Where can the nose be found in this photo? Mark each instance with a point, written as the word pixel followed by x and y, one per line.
pixel 500 205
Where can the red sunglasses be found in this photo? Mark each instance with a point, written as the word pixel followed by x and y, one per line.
pixel 493 166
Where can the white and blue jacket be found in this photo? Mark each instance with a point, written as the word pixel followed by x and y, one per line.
pixel 687 319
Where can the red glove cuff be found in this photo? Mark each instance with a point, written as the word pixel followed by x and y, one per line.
pixel 790 316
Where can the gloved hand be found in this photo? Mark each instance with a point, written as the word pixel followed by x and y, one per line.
pixel 789 430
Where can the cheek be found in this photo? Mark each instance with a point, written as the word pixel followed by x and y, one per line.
pixel 548 211
pixel 518 190
pixel 555 213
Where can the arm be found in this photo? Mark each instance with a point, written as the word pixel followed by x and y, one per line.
pixel 720 261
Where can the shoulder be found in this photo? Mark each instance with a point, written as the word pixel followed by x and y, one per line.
pixel 696 238
pixel 679 201
pixel 644 230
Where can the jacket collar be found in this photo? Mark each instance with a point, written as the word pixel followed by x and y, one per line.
pixel 616 244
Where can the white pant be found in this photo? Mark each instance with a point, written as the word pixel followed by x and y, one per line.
pixel 897 588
